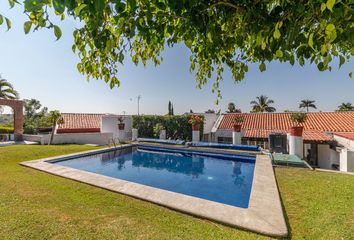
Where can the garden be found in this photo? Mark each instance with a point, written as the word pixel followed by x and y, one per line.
pixel 37 205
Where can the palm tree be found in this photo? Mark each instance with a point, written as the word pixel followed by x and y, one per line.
pixel 345 107
pixel 7 91
pixel 55 118
pixel 262 104
pixel 306 103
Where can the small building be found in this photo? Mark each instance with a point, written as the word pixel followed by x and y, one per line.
pixel 88 128
pixel 322 136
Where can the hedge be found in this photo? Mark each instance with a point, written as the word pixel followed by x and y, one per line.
pixel 6 129
pixel 177 127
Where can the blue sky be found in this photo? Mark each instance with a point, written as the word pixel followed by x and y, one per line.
pixel 45 69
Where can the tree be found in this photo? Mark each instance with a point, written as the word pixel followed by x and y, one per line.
pixel 7 90
pixel 262 104
pixel 307 104
pixel 219 34
pixel 170 108
pixel 231 108
pixel 345 107
pixel 210 111
pixel 56 119
pixel 35 116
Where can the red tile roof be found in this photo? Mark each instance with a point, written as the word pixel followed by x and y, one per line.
pixel 317 124
pixel 80 122
pixel 349 136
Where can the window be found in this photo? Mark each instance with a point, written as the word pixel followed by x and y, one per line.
pixel 224 139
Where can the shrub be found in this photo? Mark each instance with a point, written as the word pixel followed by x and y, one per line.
pixel 298 117
pixel 157 129
pixel 6 129
pixel 196 119
pixel 177 126
pixel 238 120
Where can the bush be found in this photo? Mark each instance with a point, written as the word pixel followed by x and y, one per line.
pixel 177 127
pixel 6 129
pixel 298 117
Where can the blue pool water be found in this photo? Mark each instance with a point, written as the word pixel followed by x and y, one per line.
pixel 225 180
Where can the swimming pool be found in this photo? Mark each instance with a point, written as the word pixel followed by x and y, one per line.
pixel 215 184
pixel 216 177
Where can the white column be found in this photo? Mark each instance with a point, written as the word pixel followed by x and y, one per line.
pixel 163 134
pixel 134 134
pixel 236 137
pixel 195 136
pixel 296 146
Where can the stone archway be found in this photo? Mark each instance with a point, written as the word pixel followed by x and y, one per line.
pixel 17 106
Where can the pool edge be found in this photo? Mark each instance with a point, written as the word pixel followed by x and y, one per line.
pixel 264 214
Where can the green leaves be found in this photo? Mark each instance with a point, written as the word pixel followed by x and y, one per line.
pixel 57 32
pixel 12 3
pixel 310 42
pixel 279 53
pixel 59 6
pixel 331 32
pixel 27 26
pixel 341 61
pixel 262 67
pixel 219 35
pixel 330 4
pixel 8 23
pixel 79 9
pixel 323 7
pixel 276 34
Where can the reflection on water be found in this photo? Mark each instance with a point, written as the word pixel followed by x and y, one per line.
pixel 205 177
pixel 239 178
pixel 172 162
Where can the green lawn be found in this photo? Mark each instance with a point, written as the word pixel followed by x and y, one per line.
pixel 37 205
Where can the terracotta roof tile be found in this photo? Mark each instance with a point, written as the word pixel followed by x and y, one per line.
pixel 349 136
pixel 315 128
pixel 81 121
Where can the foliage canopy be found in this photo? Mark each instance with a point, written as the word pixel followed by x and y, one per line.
pixel 219 34
pixel 262 104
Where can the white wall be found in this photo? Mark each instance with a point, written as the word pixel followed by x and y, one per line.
pixel 327 156
pixel 109 124
pixel 343 166
pixel 222 133
pixel 347 143
pixel 347 154
pixel 350 161
pixel 210 119
pixel 73 138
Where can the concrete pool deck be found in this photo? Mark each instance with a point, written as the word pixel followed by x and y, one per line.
pixel 264 214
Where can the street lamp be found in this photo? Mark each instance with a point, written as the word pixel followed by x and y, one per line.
pixel 138 97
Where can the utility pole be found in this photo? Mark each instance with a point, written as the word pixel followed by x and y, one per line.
pixel 138 97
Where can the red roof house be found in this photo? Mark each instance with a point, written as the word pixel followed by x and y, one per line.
pixel 80 123
pixel 319 126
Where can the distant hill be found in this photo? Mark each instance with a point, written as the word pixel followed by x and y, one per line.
pixel 6 119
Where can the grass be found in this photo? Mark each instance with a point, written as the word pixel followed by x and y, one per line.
pixel 37 205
